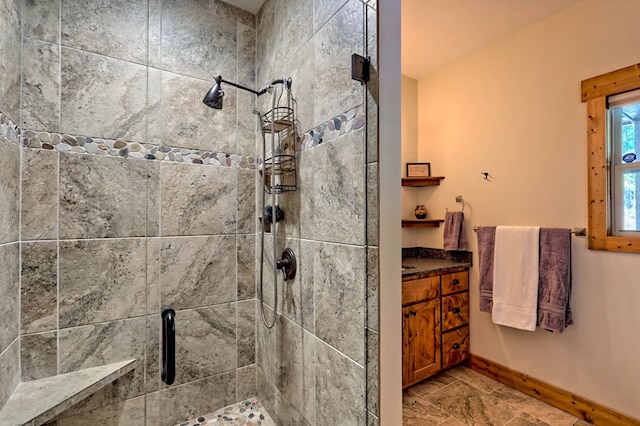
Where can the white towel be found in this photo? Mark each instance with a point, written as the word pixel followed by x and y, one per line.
pixel 515 276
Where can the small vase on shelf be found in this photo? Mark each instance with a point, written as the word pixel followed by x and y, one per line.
pixel 420 212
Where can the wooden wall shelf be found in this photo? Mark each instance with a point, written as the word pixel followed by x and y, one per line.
pixel 426 223
pixel 422 181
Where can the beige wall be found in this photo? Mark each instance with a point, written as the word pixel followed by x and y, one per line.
pixel 409 111
pixel 409 123
pixel 513 109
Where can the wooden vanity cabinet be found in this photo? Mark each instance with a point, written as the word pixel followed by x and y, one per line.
pixel 435 331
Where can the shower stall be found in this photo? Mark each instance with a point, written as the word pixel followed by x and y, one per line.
pixel 124 196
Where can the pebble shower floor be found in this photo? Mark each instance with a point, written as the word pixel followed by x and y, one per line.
pixel 245 413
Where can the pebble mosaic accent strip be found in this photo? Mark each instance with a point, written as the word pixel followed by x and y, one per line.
pixel 351 120
pixel 246 413
pixel 119 148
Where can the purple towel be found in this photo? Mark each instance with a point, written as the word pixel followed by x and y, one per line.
pixel 486 246
pixel 554 286
pixel 454 235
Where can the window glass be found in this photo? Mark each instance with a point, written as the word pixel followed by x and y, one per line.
pixel 630 205
pixel 624 150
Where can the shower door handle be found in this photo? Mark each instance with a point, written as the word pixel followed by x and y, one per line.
pixel 168 345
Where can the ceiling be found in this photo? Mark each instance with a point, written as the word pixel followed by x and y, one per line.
pixel 437 32
pixel 252 6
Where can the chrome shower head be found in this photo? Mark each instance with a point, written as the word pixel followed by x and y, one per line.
pixel 214 96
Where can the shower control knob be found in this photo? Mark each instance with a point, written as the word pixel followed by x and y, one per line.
pixel 268 214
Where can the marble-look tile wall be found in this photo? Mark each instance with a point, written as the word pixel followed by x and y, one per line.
pixel 135 196
pixel 136 71
pixel 10 274
pixel 318 365
pixel 10 51
pixel 94 281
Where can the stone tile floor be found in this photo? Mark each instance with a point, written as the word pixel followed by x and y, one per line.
pixel 460 396
pixel 245 413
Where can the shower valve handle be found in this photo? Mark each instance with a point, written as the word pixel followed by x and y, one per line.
pixel 287 264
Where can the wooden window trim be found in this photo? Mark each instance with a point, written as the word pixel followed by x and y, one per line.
pixel 594 92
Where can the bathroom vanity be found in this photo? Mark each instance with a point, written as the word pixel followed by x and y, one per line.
pixel 435 316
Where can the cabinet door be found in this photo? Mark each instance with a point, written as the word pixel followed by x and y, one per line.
pixel 422 334
pixel 406 348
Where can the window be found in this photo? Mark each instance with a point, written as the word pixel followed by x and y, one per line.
pixel 613 137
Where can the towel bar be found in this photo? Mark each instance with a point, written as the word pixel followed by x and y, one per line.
pixel 579 232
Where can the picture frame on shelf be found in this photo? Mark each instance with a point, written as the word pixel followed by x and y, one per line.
pixel 418 169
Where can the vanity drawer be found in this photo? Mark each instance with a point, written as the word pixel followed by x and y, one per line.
pixel 455 347
pixel 417 290
pixel 453 283
pixel 455 311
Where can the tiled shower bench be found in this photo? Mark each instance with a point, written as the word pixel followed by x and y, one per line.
pixel 34 403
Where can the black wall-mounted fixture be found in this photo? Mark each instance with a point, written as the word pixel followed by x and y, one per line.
pixel 214 96
pixel 268 214
pixel 168 345
pixel 360 68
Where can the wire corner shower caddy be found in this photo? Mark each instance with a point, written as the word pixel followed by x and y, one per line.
pixel 279 125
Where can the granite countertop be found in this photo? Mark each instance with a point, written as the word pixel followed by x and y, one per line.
pixel 423 267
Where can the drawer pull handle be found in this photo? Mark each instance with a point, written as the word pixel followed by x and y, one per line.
pixel 456 346
pixel 406 315
pixel 455 282
pixel 414 313
pixel 456 310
